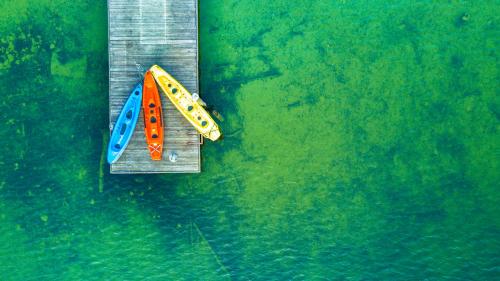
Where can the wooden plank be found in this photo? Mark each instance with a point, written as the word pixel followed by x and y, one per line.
pixel 147 32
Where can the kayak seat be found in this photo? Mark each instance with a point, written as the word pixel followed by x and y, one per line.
pixel 123 129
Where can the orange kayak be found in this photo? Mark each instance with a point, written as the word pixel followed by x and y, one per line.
pixel 153 119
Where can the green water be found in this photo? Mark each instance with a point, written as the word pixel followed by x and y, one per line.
pixel 361 144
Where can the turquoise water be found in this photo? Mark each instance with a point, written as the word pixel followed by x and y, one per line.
pixel 361 143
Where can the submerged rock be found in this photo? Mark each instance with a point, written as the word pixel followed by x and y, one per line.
pixel 462 19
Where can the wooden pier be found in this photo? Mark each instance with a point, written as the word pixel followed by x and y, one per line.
pixel 147 32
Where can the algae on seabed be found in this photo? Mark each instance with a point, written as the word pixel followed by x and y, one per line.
pixel 360 145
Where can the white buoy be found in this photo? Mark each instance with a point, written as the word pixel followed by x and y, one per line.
pixel 196 98
pixel 172 157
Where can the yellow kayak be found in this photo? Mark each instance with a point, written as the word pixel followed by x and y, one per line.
pixel 184 102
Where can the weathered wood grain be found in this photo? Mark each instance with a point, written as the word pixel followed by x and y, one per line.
pixel 147 32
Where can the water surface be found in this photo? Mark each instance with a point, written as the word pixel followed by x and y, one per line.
pixel 361 143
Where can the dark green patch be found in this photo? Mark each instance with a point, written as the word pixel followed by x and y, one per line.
pixel 360 144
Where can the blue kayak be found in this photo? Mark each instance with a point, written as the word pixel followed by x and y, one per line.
pixel 125 125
